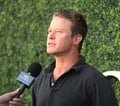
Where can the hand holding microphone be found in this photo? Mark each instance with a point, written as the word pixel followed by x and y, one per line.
pixel 14 98
pixel 5 99
pixel 27 79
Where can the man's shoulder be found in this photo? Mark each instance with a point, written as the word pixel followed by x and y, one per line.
pixel 91 73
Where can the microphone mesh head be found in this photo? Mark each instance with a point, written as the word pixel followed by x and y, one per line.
pixel 34 69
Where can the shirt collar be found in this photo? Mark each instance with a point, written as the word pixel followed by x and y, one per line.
pixel 77 67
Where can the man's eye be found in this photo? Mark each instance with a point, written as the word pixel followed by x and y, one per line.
pixel 59 31
pixel 49 31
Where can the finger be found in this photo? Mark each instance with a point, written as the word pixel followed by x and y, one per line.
pixel 19 99
pixel 14 92
pixel 21 96
pixel 14 103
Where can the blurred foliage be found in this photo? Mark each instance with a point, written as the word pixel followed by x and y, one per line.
pixel 23 31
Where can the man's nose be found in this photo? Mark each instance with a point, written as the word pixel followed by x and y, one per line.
pixel 51 35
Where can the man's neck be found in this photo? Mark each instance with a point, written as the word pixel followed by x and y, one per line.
pixel 63 65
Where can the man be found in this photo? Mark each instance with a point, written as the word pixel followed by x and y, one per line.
pixel 8 100
pixel 69 80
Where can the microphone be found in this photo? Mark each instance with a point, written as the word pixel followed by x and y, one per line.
pixel 27 79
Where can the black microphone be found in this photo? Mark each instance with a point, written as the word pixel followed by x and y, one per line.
pixel 28 78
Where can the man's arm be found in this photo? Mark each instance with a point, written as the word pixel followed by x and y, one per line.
pixel 103 94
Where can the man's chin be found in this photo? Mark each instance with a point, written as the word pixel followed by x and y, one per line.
pixel 50 53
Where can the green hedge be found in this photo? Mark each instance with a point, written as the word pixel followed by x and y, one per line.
pixel 23 31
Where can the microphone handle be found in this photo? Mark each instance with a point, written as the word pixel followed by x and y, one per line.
pixel 22 89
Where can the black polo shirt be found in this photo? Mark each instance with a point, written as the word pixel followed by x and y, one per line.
pixel 82 85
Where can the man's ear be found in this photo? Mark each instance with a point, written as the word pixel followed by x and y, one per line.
pixel 77 39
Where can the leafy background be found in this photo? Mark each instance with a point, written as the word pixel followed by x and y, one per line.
pixel 23 32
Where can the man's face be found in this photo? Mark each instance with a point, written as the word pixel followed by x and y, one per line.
pixel 59 41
